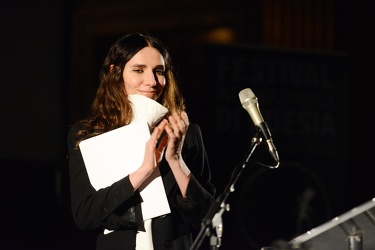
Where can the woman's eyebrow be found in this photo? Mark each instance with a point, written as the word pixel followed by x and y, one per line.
pixel 138 65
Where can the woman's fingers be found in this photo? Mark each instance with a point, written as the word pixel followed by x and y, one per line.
pixel 176 130
pixel 185 119
pixel 178 123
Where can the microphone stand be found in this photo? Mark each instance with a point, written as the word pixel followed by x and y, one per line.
pixel 213 217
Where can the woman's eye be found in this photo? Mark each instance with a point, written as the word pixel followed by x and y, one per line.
pixel 159 72
pixel 138 70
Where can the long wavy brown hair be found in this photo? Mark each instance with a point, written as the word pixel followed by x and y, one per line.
pixel 111 107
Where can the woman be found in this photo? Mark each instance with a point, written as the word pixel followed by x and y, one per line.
pixel 139 64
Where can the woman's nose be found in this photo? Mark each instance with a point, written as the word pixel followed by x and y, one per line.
pixel 151 78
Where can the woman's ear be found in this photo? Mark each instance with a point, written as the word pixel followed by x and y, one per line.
pixel 111 68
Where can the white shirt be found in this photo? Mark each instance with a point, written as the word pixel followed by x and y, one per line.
pixel 144 239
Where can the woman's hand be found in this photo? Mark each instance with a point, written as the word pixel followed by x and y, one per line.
pixel 155 146
pixel 176 130
pixel 152 157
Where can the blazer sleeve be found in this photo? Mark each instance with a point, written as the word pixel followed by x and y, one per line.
pixel 111 207
pixel 200 191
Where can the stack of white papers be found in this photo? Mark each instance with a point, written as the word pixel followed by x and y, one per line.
pixel 111 156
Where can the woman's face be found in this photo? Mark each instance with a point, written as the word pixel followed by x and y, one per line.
pixel 144 73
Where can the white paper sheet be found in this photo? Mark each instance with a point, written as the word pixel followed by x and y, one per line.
pixel 111 156
pixel 146 109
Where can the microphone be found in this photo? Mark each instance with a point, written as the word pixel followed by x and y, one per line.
pixel 250 102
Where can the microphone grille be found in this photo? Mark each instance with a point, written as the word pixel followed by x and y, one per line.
pixel 246 95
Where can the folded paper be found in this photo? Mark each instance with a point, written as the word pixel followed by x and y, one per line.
pixel 113 155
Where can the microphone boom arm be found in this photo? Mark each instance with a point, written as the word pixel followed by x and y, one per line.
pixel 213 216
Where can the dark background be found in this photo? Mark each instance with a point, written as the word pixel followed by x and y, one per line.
pixel 310 63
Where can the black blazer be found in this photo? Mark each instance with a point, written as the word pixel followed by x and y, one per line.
pixel 117 207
